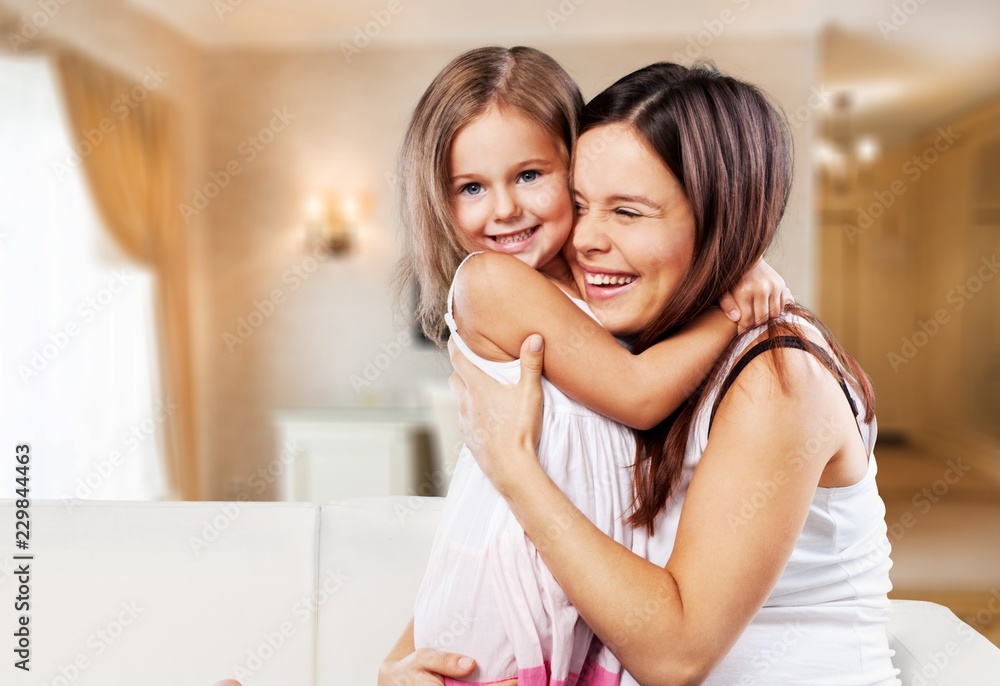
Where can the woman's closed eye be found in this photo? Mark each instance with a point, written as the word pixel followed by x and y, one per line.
pixel 624 212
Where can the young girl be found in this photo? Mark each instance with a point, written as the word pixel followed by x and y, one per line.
pixel 485 168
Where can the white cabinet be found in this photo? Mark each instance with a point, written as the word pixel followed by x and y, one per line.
pixel 353 452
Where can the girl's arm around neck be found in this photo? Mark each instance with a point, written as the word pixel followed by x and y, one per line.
pixel 499 301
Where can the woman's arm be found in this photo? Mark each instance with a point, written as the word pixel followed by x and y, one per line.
pixel 672 625
pixel 499 301
pixel 406 666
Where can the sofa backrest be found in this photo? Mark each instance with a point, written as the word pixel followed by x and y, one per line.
pixel 377 549
pixel 162 594
pixel 281 594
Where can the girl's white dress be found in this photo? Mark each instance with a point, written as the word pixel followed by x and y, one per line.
pixel 486 592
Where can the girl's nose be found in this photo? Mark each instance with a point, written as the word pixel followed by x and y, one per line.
pixel 506 206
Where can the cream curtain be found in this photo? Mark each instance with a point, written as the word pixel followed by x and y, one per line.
pixel 135 172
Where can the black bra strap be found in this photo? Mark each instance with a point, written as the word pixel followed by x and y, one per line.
pixel 783 342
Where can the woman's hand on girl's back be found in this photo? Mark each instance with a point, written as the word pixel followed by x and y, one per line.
pixel 500 422
pixel 760 295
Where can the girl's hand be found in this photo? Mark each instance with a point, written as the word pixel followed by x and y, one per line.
pixel 500 422
pixel 424 667
pixel 760 295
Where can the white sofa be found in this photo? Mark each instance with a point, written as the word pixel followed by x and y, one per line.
pixel 278 594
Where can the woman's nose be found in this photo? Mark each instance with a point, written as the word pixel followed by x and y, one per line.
pixel 589 235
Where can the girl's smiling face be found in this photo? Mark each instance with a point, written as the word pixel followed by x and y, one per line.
pixel 509 186
pixel 634 237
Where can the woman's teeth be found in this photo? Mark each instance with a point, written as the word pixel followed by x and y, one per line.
pixel 608 280
pixel 514 238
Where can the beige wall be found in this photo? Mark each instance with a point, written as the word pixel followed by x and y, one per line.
pixel 348 119
pixel 892 292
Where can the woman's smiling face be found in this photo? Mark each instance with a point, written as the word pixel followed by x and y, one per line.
pixel 634 237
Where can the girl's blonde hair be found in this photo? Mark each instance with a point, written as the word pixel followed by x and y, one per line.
pixel 521 78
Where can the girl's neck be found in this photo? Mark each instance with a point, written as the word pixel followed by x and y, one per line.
pixel 557 270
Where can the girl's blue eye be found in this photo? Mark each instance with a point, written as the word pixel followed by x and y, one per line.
pixel 471 189
pixel 529 176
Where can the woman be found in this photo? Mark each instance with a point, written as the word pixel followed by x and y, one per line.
pixel 775 570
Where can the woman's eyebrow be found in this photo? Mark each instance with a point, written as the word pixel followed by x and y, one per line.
pixel 641 199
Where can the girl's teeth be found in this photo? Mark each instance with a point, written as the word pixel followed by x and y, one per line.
pixel 606 280
pixel 515 238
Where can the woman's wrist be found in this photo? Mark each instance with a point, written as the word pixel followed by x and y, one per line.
pixel 520 467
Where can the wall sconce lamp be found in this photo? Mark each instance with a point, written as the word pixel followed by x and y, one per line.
pixel 332 225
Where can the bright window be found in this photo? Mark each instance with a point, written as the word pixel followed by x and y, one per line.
pixel 77 339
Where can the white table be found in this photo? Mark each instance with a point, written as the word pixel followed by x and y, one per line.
pixel 354 452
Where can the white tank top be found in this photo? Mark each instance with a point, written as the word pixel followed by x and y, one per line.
pixel 824 622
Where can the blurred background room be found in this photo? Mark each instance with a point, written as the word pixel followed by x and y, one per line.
pixel 198 232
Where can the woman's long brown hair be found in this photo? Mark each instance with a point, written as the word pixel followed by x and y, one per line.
pixel 731 151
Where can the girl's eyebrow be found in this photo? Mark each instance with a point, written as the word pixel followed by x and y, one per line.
pixel 540 161
pixel 535 160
